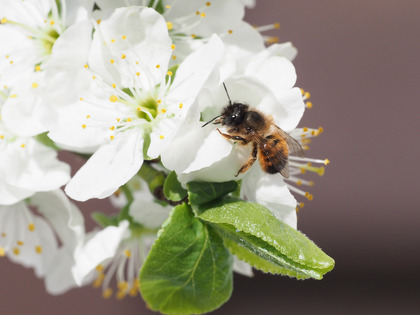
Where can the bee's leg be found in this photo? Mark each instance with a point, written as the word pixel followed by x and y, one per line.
pixel 250 161
pixel 229 137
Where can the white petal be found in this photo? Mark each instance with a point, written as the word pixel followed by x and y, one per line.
pixel 111 166
pixel 242 267
pixel 65 217
pixel 149 213
pixel 102 246
pixel 271 191
pixel 141 35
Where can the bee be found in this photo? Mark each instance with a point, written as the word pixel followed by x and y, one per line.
pixel 270 144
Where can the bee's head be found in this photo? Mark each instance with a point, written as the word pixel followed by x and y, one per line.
pixel 233 114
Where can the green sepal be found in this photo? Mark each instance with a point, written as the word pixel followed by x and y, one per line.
pixel 45 140
pixel 158 7
pixel 172 188
pixel 188 269
pixel 200 193
pixel 103 220
pixel 254 228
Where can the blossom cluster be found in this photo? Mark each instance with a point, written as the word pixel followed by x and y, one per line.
pixel 128 86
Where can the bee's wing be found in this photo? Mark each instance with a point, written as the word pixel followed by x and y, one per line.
pixel 294 146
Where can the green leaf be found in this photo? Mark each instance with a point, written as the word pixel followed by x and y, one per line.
pixel 188 269
pixel 172 188
pixel 200 193
pixel 255 229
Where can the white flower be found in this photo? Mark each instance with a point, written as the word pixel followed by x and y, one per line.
pixel 132 107
pixel 266 83
pixel 31 240
pixel 26 165
pixel 30 29
pixel 192 23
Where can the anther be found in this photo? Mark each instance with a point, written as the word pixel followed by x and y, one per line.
pixel 113 98
pixel 38 249
pixel 31 227
pixel 169 25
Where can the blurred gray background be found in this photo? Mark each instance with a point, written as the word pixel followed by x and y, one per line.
pixel 360 61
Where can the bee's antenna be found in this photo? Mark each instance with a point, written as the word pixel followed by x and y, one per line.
pixel 210 121
pixel 230 101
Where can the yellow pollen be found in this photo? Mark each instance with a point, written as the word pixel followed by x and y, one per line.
pixel 305 129
pixel 112 137
pixel 22 145
pixel 277 25
pixel 84 126
pixel 197 12
pixel 45 21
pixel 163 110
pixel 87 116
pixel 123 37
pixel 113 98
pixel 309 196
pixel 11 62
pixel 98 21
pixel 169 25
pixel 157 66
pixel 37 68
pixel 309 104
pixel 230 31
pixel 301 204
pixel 193 35
pixel 16 251
pixel 167 6
pixel 169 73
pixel 127 253
pixel 100 267
pixel 34 85
pixel 320 130
pixel 3 20
pixel 173 57
pixel 114 85
pixel 1 136
pixel 38 249
pixel 159 101
pixel 123 56
pixel 2 252
pixel 203 14
pixel 52 22
pixel 137 62
pixel 181 105
pixel 107 293
pixel 314 133
pixel 307 95
pixel 3 234
pixel 112 128
pixel 305 147
pixel 133 291
pixel 208 4
pixel 86 66
pixel 112 61
pixel 93 77
pixel 118 119
pixel 326 162
pixel 13 96
pixel 302 170
pixel 173 46
pixel 81 98
pixel 299 182
pixel 273 40
pixel 137 73
pixel 120 295
pixel 311 183
pixel 112 40
pixel 20 243
pixel 31 227
pixel 161 137
pixel 129 119
pixel 98 281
